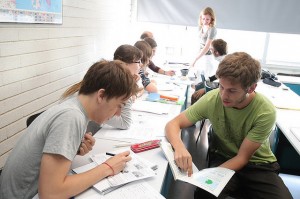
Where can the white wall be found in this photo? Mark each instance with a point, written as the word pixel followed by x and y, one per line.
pixel 39 61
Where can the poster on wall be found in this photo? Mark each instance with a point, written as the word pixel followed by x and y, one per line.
pixel 31 11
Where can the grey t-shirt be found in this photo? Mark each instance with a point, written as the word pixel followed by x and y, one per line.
pixel 125 119
pixel 59 130
pixel 204 36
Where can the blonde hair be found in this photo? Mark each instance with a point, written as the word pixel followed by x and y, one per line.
pixel 207 11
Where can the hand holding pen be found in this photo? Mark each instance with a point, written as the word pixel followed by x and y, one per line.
pixel 117 162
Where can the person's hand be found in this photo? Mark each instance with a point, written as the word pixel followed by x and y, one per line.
pixel 170 73
pixel 192 64
pixel 197 94
pixel 118 162
pixel 183 160
pixel 87 144
pixel 140 93
pixel 153 81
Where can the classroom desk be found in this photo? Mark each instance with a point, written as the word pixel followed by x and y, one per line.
pixel 291 81
pixel 104 144
pixel 286 118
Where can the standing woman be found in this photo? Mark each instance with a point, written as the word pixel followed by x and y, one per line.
pixel 208 32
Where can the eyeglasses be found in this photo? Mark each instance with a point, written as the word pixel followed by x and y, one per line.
pixel 138 62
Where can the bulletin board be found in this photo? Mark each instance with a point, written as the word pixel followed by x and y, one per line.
pixel 31 11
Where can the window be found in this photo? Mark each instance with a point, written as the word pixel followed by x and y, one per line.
pixel 181 44
pixel 284 49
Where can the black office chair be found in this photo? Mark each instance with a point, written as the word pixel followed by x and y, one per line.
pixel 202 122
pixel 32 117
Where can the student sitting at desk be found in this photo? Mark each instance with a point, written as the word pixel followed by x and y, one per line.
pixel 40 162
pixel 146 49
pixel 132 56
pixel 219 51
pixel 152 66
pixel 242 121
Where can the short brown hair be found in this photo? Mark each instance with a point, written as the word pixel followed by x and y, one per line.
pixel 220 46
pixel 146 49
pixel 241 68
pixel 112 76
pixel 151 42
pixel 146 34
pixel 128 53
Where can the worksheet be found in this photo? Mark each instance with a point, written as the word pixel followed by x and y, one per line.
pixel 212 180
pixel 136 169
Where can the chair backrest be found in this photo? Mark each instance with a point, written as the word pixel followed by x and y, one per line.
pixel 210 86
pixel 274 139
pixel 32 117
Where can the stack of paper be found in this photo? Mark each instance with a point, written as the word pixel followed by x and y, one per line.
pixel 136 169
pixel 137 190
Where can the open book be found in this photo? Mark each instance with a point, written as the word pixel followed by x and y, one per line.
pixel 212 180
pixel 136 169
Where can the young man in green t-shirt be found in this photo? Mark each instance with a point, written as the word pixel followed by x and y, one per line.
pixel 242 120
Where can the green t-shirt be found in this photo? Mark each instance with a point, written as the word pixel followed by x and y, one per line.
pixel 231 125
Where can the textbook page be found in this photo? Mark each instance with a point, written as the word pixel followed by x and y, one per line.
pixel 135 169
pixel 212 180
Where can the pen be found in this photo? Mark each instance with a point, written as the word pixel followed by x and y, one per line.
pixel 110 154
